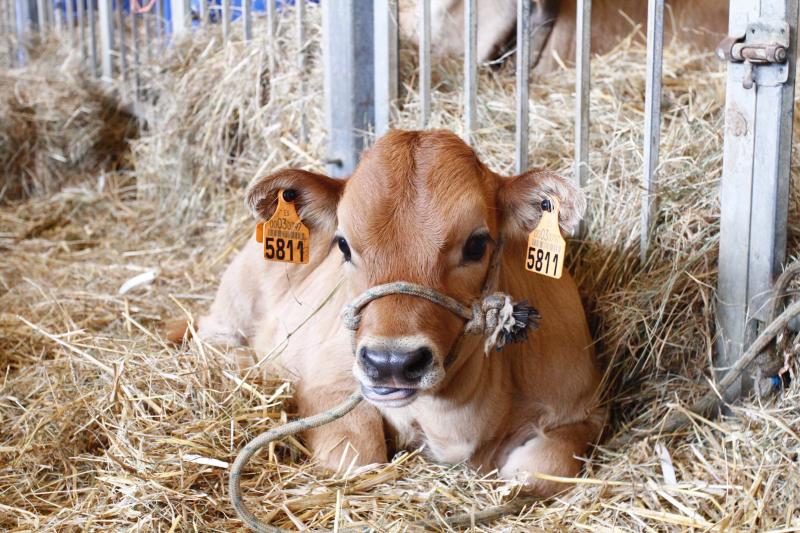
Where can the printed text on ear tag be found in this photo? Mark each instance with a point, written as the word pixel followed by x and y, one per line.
pixel 546 246
pixel 285 237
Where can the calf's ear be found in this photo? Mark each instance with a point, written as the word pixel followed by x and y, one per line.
pixel 316 201
pixel 520 201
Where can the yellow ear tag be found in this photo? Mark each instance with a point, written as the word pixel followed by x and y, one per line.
pixel 285 237
pixel 546 246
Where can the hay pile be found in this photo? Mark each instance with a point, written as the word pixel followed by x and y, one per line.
pixel 56 126
pixel 103 426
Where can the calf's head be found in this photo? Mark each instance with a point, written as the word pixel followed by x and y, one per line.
pixel 419 208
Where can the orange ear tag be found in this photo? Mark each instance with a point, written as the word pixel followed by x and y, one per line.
pixel 546 246
pixel 285 237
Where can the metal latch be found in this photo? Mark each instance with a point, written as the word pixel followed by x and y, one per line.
pixel 765 42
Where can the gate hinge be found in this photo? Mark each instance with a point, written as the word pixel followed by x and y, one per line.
pixel 765 42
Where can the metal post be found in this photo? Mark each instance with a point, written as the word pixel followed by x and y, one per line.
pixel 58 15
pixel 652 118
pixel 123 62
pixel 248 19
pixel 300 6
pixel 470 69
pixel 203 13
pixel 523 75
pixel 386 63
pixel 25 15
pixel 82 28
pixel 349 81
pixel 226 20
pixel 424 28
pixel 92 39
pixel 41 16
pixel 70 20
pixel 135 50
pixel 755 179
pixel 583 80
pixel 105 9
pixel 181 16
pixel 271 21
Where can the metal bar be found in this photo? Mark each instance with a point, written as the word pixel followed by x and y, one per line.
pixel 70 22
pixel 523 78
pixel 147 19
pixel 226 20
pixel 271 34
pixel 424 28
pixel 735 328
pixel 58 15
pixel 300 6
pixel 181 15
pixel 159 22
pixel 41 16
pixel 24 19
pixel 470 69
pixel 386 63
pixel 583 82
pixel 105 10
pixel 135 51
pixel 92 39
pixel 247 15
pixel 349 81
pixel 82 28
pixel 652 119
pixel 123 61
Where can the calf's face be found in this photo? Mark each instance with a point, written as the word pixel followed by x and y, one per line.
pixel 419 208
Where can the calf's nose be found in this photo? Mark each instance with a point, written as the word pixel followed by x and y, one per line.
pixel 402 367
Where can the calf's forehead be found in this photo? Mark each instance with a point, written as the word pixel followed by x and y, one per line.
pixel 423 186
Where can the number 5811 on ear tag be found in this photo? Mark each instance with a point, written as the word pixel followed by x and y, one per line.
pixel 285 237
pixel 546 246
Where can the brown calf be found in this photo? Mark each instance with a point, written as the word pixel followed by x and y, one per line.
pixel 420 208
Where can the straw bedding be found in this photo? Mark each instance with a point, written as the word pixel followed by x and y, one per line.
pixel 103 426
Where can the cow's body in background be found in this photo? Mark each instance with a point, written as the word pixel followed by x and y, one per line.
pixel 420 208
pixel 698 23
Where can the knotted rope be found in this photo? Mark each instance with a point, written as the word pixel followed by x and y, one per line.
pixel 493 315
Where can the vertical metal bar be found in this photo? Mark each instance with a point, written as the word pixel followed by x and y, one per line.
pixel 135 49
pixel 159 22
pixel 24 18
pixel 523 77
pixel 147 19
pixel 123 61
pixel 470 69
pixel 348 59
pixel 70 21
pixel 58 14
pixel 82 27
pixel 271 34
pixel 41 16
pixel 226 20
pixel 203 12
pixel 105 9
pixel 583 81
pixel 300 6
pixel 181 16
pixel 652 118
pixel 248 19
pixel 424 29
pixel 755 185
pixel 386 63
pixel 92 38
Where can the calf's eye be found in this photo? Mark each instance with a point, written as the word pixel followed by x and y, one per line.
pixel 475 247
pixel 344 247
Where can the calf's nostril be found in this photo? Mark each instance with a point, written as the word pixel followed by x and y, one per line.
pixel 417 363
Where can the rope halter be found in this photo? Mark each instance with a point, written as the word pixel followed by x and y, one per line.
pixel 494 316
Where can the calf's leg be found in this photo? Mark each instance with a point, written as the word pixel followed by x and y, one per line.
pixel 552 452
